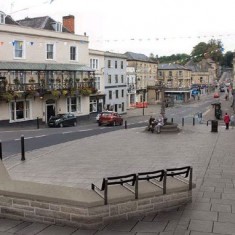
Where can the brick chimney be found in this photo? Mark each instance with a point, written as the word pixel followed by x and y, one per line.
pixel 68 23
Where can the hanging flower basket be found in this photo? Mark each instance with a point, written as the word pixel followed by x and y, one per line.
pixel 56 93
pixel 31 80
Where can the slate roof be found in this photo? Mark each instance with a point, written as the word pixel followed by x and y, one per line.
pixel 198 67
pixel 172 67
pixel 113 54
pixel 44 22
pixel 21 66
pixel 137 56
pixel 9 20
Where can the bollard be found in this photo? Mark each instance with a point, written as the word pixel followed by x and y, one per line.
pixel 37 123
pixel 171 120
pixel 22 149
pixel 0 150
pixel 193 121
pixel 182 121
pixel 125 124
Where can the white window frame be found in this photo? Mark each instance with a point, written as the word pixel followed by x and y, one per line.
pixel 76 53
pixel 110 95
pixel 109 79
pixel 116 78
pixel 26 110
pixel 122 64
pixel 78 104
pixel 94 63
pixel 97 83
pixel 53 52
pixel 22 49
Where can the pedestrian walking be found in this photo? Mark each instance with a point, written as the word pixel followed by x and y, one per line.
pixel 232 120
pixel 226 120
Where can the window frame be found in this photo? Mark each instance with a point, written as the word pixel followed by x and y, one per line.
pixel 109 64
pixel 78 108
pixel 110 95
pixel 74 54
pixel 26 110
pixel 22 49
pixel 53 51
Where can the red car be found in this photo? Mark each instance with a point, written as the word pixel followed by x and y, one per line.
pixel 110 118
pixel 216 95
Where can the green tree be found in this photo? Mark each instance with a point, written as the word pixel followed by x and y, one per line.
pixel 174 58
pixel 227 60
pixel 213 49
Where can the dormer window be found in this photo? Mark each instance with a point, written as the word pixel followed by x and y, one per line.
pixel 2 17
pixel 57 26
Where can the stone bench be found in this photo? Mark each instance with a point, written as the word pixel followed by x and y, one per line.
pixel 85 208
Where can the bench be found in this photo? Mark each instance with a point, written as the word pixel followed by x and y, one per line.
pixel 121 188
pixel 145 184
pixel 179 179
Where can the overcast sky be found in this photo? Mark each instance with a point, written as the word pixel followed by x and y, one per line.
pixel 161 27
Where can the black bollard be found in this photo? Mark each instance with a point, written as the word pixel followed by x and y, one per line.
pixel 172 120
pixel 0 150
pixel 22 149
pixel 182 121
pixel 37 123
pixel 125 124
pixel 193 121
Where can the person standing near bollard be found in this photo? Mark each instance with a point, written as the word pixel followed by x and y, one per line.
pixel 226 120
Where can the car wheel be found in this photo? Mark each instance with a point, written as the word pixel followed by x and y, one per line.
pixel 99 124
pixel 75 124
pixel 121 123
pixel 61 125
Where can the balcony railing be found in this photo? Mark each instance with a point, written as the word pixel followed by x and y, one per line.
pixel 46 86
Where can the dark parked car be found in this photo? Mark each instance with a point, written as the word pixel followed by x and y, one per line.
pixel 110 118
pixel 61 120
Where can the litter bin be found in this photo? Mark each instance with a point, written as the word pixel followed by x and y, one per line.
pixel 214 126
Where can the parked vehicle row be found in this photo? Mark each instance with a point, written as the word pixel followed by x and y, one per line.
pixel 69 119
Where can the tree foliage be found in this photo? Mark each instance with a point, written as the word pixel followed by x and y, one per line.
pixel 177 58
pixel 213 49
pixel 227 60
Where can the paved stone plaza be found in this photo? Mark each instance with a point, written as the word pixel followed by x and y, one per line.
pixel 81 162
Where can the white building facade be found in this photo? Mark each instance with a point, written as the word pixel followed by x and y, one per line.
pixel 43 71
pixel 115 82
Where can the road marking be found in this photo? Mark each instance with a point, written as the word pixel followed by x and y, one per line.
pixel 26 138
pixel 38 136
pixel 86 130
pixel 68 132
pixel 16 139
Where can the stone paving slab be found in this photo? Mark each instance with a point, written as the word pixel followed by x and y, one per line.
pixel 211 155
